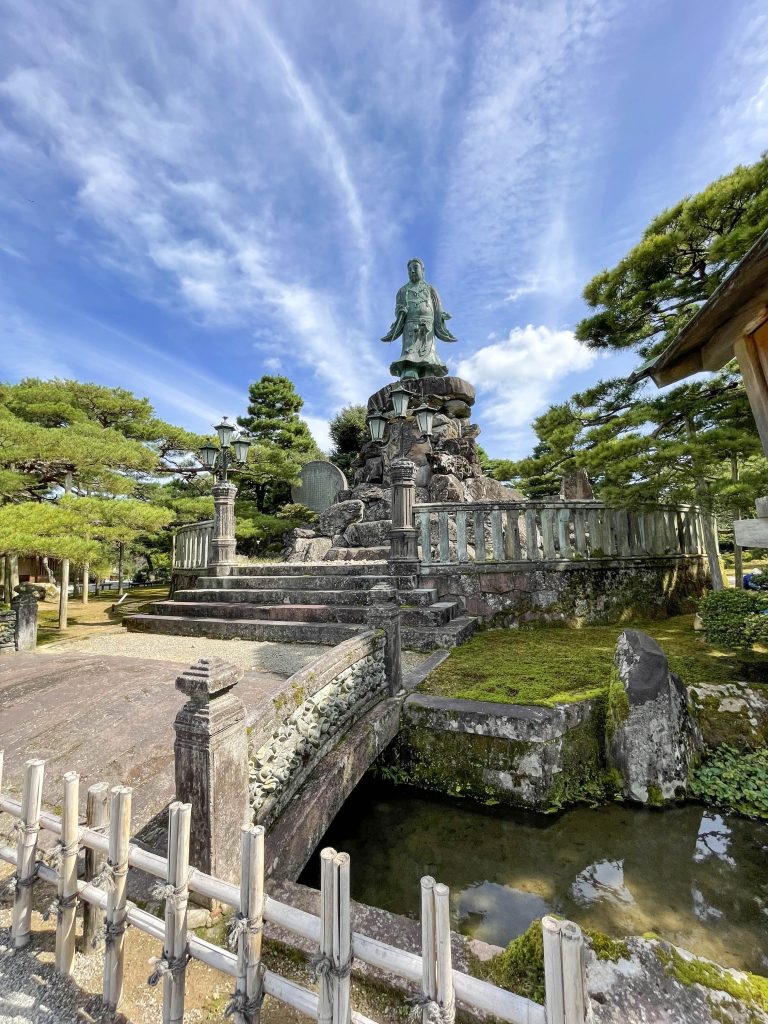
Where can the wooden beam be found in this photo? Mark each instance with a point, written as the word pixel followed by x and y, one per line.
pixel 720 347
pixel 745 350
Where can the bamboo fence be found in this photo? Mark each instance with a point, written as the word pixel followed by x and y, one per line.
pixel 108 914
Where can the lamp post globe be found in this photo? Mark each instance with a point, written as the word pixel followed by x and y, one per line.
pixel 225 430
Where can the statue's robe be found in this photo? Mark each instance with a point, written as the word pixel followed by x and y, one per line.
pixel 419 318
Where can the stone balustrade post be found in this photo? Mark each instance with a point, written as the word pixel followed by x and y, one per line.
pixel 404 550
pixel 223 538
pixel 384 613
pixel 24 604
pixel 211 763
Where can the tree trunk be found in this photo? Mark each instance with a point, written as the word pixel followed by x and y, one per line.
pixel 64 595
pixel 711 547
pixel 738 563
pixel 86 582
pixel 120 547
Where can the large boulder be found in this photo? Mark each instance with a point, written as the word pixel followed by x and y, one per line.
pixel 651 738
pixel 338 517
pixel 368 534
pixel 308 549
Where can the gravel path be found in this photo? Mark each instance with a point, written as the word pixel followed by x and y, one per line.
pixel 261 656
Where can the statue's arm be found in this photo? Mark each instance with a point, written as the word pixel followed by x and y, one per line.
pixel 398 324
pixel 441 331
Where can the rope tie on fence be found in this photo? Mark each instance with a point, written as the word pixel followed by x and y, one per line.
pixel 166 891
pixel 241 925
pixel 240 1005
pixel 62 850
pixel 436 1014
pixel 110 932
pixel 105 879
pixel 321 965
pixel 15 883
pixel 19 829
pixel 167 966
pixel 57 906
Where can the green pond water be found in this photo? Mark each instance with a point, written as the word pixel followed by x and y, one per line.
pixel 690 874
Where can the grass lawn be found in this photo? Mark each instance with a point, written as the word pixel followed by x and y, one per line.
pixel 94 616
pixel 554 665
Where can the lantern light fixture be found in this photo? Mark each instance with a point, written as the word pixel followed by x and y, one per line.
pixel 241 445
pixel 425 414
pixel 399 396
pixel 377 423
pixel 208 455
pixel 225 430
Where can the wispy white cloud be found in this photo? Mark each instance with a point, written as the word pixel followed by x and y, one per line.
pixel 518 377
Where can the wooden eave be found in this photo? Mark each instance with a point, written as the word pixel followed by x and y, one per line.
pixel 737 308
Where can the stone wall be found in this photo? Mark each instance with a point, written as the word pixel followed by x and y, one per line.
pixel 577 592
pixel 7 631
pixel 501 753
pixel 315 708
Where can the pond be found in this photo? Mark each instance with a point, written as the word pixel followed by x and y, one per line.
pixel 690 874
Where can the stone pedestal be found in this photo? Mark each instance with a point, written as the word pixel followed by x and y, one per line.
pixel 211 760
pixel 384 613
pixel 223 538
pixel 404 553
pixel 25 606
pixel 753 533
pixel 7 632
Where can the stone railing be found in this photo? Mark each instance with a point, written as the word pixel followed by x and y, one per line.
pixel 315 707
pixel 552 531
pixel 192 546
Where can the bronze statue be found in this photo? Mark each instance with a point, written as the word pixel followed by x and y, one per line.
pixel 419 318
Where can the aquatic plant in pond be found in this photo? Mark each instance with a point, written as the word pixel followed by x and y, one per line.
pixel 733 779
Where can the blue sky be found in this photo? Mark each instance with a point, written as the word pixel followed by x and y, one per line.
pixel 197 193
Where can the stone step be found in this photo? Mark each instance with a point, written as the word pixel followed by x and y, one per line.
pixel 427 638
pixel 360 556
pixel 242 629
pixel 241 610
pixel 436 615
pixel 268 597
pixel 310 569
pixel 347 581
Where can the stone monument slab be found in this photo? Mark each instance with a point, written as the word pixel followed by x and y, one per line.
pixel 319 486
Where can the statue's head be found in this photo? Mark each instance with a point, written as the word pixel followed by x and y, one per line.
pixel 415 269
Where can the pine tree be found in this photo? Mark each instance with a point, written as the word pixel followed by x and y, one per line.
pixel 349 432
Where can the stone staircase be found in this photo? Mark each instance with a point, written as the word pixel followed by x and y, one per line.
pixel 322 603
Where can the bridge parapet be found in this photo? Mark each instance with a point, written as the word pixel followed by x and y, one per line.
pixel 315 708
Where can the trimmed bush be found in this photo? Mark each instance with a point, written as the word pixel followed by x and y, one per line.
pixel 731 618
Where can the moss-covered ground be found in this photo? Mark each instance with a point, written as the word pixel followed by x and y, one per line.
pixel 550 665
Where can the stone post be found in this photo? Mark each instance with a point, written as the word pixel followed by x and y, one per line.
pixel 211 758
pixel 404 551
pixel 25 606
pixel 384 613
pixel 223 539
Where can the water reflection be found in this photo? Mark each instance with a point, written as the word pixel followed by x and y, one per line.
pixel 602 881
pixel 688 874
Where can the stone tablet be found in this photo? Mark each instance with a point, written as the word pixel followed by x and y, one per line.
pixel 320 483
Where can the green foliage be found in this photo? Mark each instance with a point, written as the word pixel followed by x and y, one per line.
pixel 506 665
pixel 750 988
pixel 283 444
pixel 520 968
pixel 734 779
pixel 349 432
pixel 606 948
pixel 683 255
pixel 297 513
pixel 728 616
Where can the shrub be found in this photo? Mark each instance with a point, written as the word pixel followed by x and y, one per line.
pixel 728 617
pixel 733 779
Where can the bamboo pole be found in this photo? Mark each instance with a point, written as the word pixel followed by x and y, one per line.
pixel 26 849
pixel 342 939
pixel 248 992
pixel 574 997
pixel 66 909
pixel 553 971
pixel 444 970
pixel 95 818
pixel 327 907
pixel 428 946
pixel 171 967
pixel 119 832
